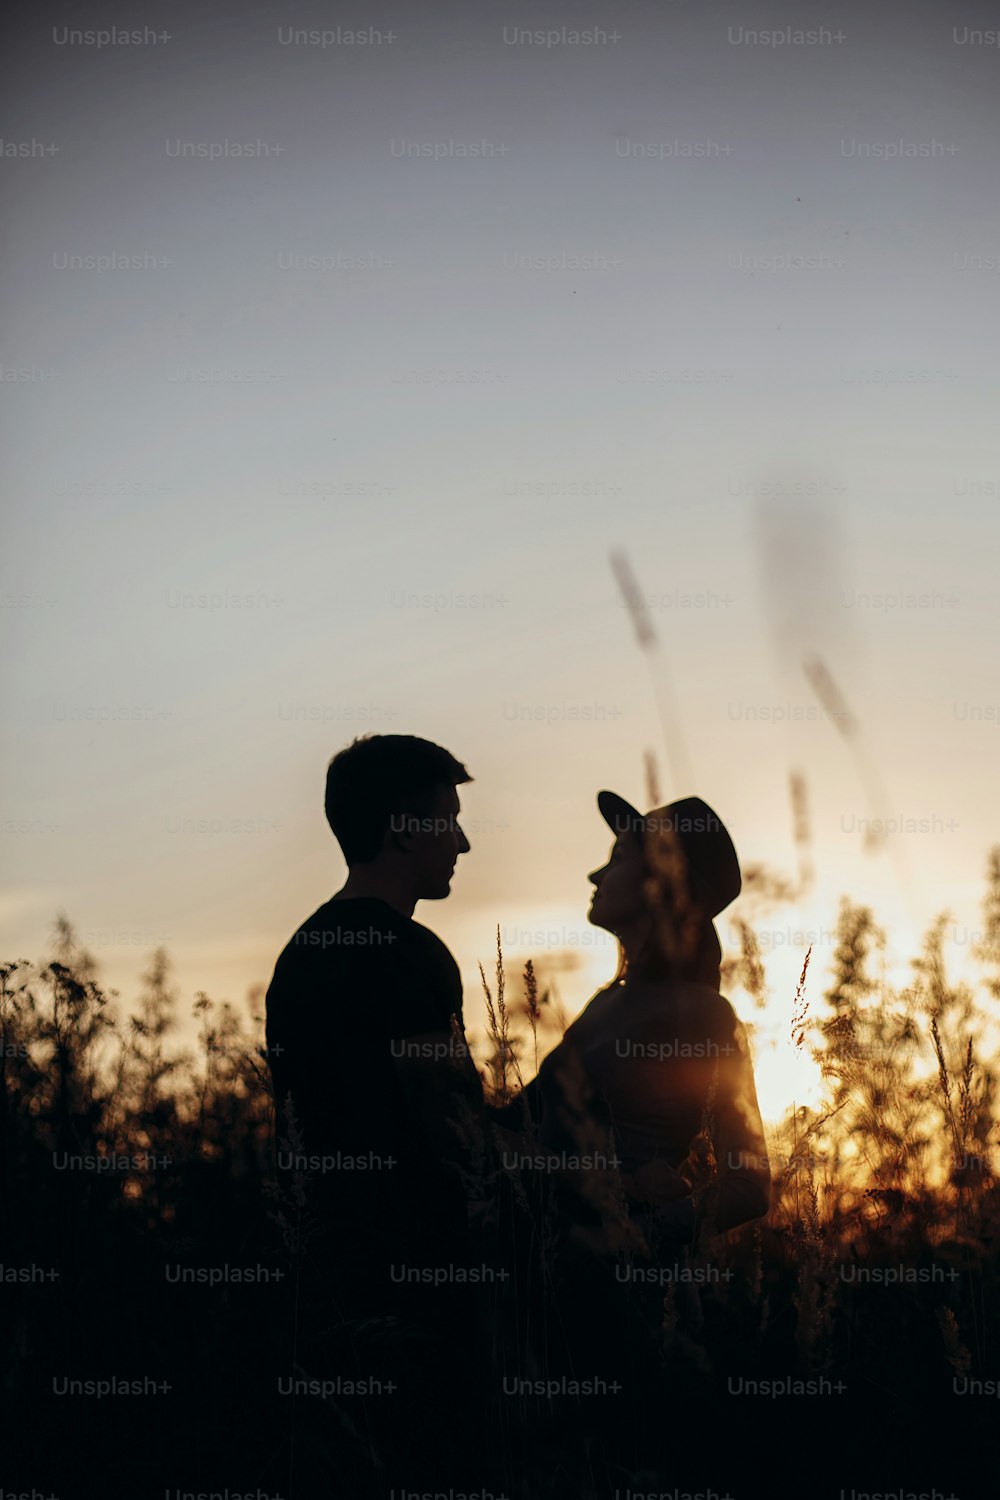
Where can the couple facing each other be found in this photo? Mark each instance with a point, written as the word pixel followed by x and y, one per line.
pixel 380 1114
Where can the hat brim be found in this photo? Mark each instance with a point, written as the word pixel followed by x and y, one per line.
pixel 620 816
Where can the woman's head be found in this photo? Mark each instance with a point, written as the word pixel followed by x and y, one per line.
pixel 619 904
pixel 667 875
pixel 661 931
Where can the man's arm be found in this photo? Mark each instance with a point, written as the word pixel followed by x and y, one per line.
pixel 441 1090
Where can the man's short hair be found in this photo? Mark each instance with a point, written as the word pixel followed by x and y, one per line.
pixel 377 777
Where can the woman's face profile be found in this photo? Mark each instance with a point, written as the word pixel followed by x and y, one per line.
pixel 618 902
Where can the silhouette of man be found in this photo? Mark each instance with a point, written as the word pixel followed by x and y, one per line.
pixel 364 1034
pixel 379 1109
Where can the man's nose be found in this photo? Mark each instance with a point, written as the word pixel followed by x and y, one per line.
pixel 595 876
pixel 463 843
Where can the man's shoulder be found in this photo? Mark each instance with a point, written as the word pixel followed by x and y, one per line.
pixel 435 948
pixel 327 945
pixel 371 928
pixel 362 941
pixel 345 927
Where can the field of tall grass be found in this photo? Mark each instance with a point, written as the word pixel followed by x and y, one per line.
pixel 145 1238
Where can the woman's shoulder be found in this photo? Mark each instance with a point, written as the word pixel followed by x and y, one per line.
pixel 693 1000
pixel 600 1012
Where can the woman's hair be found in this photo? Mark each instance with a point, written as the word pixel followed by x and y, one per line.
pixel 682 942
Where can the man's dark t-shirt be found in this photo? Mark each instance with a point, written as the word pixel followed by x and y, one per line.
pixel 355 981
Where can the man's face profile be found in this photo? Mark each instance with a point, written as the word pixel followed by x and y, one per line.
pixel 435 842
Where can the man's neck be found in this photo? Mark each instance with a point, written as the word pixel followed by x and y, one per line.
pixel 377 885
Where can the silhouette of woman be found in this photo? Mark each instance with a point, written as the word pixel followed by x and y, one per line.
pixel 645 1116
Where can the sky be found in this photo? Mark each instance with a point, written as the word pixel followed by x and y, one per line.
pixel 333 372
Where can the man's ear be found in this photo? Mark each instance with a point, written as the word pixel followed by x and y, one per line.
pixel 399 834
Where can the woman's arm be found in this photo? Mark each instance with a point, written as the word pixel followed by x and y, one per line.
pixel 741 1187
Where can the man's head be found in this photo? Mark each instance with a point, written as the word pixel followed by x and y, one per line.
pixel 392 803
